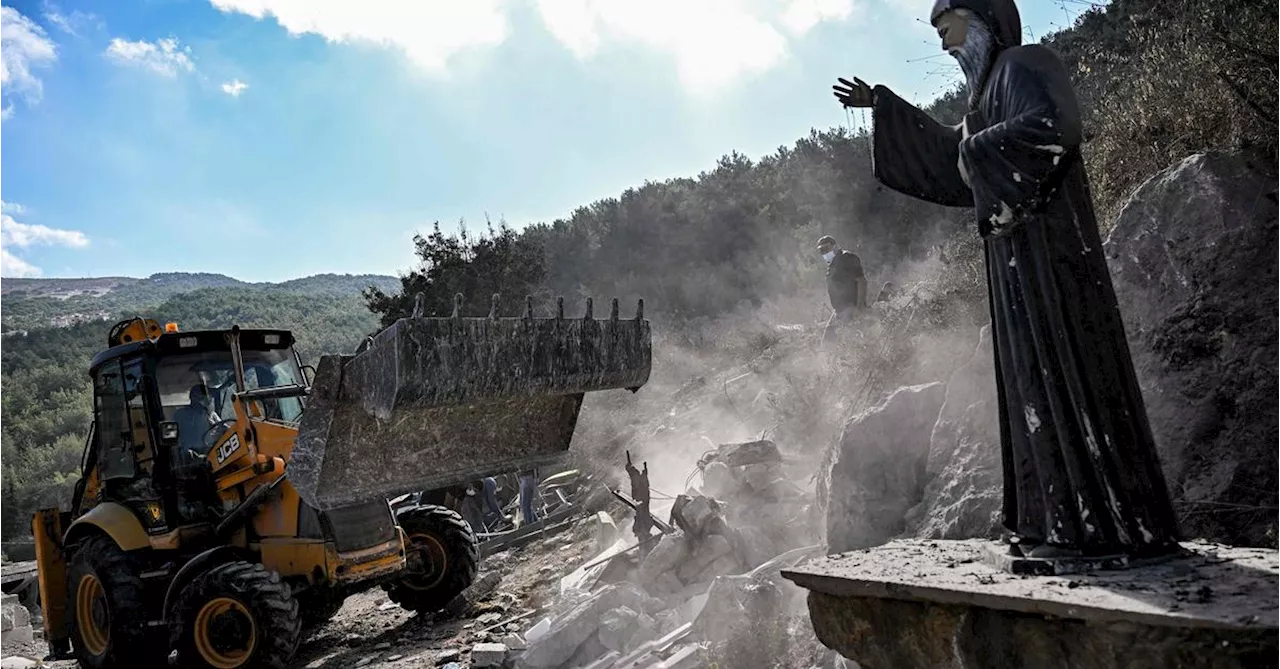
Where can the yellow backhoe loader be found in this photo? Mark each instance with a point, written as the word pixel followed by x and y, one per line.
pixel 231 498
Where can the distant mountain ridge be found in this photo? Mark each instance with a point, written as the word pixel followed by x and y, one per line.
pixel 178 282
pixel 36 303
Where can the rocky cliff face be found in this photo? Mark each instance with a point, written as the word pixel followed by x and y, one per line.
pixel 879 473
pixel 962 496
pixel 1193 259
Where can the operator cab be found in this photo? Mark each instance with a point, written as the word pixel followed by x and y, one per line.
pixel 163 399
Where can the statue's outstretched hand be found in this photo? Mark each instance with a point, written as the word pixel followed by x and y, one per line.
pixel 854 93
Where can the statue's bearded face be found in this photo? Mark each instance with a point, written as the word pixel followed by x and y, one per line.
pixel 953 28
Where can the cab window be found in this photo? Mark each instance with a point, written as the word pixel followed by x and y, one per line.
pixel 115 440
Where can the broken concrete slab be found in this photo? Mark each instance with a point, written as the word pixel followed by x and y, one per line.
pixel 698 515
pixel 606 531
pixel 917 603
pixel 488 655
pixel 16 662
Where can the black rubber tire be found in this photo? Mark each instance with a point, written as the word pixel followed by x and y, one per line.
pixel 270 604
pixel 127 643
pixel 446 535
pixel 319 605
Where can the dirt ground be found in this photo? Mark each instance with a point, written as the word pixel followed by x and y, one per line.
pixel 372 632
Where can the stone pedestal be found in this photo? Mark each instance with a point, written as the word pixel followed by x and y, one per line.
pixel 939 604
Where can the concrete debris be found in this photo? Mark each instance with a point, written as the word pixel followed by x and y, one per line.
pixel 538 630
pixel 18 663
pixel 16 627
pixel 616 627
pixel 710 578
pixel 606 661
pixel 514 642
pixel 733 603
pixel 448 655
pixel 685 658
pixel 488 655
pixel 698 515
pixel 606 531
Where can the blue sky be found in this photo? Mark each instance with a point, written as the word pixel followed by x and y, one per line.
pixel 271 139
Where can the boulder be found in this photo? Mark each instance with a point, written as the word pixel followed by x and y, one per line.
pixel 661 561
pixel 878 472
pixel 962 496
pixel 616 627
pixel 705 554
pixel 1193 259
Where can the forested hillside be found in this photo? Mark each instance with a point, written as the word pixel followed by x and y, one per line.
pixel 46 399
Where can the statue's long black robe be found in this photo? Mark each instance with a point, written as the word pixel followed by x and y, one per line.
pixel 1080 465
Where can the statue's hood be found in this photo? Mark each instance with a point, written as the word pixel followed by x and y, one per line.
pixel 1001 16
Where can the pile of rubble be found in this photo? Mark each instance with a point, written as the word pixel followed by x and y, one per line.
pixel 702 590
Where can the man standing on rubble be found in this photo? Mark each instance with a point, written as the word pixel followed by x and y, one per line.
pixel 846 284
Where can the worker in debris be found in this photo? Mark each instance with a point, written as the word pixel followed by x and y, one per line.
pixel 846 284
pixel 469 507
pixel 492 509
pixel 528 493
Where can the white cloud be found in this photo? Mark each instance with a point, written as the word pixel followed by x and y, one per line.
pixel 71 23
pixel 710 42
pixel 26 46
pixel 801 15
pixel 234 87
pixel 429 32
pixel 166 57
pixel 22 235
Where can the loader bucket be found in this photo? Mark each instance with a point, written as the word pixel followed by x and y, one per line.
pixel 433 402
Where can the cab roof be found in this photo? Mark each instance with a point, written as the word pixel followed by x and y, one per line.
pixel 196 341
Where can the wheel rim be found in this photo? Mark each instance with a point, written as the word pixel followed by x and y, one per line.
pixel 225 633
pixel 427 562
pixel 93 615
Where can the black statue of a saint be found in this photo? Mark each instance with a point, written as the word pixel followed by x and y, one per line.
pixel 1081 475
